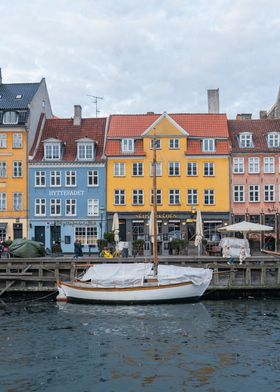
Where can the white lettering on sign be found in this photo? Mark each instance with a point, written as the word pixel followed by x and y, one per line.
pixel 66 193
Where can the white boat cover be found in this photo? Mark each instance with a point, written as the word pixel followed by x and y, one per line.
pixel 130 275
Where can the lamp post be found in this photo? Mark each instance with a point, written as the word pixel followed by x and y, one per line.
pixel 101 222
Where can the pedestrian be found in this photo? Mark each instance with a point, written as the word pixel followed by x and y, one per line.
pixel 242 255
pixel 1 248
pixel 76 249
pixel 227 254
pixel 80 247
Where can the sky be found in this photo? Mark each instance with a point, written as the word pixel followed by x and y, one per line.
pixel 144 55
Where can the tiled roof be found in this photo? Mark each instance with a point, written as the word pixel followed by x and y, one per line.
pixel 259 129
pixel 201 125
pixel 113 148
pixel 194 147
pixel 63 129
pixel 8 93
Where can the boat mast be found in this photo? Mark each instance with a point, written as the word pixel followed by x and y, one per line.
pixel 155 202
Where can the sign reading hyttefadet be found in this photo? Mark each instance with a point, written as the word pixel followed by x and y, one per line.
pixel 66 193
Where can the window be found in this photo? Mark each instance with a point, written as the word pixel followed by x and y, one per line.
pixel 55 207
pixel 238 165
pixel 128 145
pixel 119 169
pixel 40 207
pixel 209 197
pixel 192 197
pixel 173 168
pixel 269 193
pixel 254 165
pixel 208 169
pixel 71 207
pixel 93 207
pixel 3 201
pixel 87 235
pixel 70 178
pixel 157 144
pixel 3 140
pixel 273 139
pixel 17 140
pixel 192 168
pixel 17 169
pixel 92 176
pixel 269 165
pixel 138 230
pixel 55 179
pixel 158 169
pixel 245 140
pixel 238 193
pixel 18 96
pixel 208 145
pixel 159 196
pixel 137 169
pixel 174 144
pixel 85 151
pixel 138 197
pixel 10 118
pixel 119 197
pixel 254 193
pixel 3 169
pixel 17 201
pixel 52 151
pixel 40 178
pixel 174 196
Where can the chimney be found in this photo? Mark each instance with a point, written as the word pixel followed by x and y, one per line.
pixel 213 101
pixel 244 116
pixel 77 115
pixel 263 114
pixel 0 76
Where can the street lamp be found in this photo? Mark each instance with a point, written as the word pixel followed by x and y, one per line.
pixel 101 222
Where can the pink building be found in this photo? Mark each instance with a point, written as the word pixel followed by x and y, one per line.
pixel 255 168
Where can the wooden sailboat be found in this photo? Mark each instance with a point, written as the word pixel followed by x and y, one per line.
pixel 148 282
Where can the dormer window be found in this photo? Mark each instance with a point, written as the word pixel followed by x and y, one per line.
pixel 18 96
pixel 85 150
pixel 52 150
pixel 245 140
pixel 127 145
pixel 10 118
pixel 208 145
pixel 273 139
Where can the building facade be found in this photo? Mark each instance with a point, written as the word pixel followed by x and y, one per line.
pixel 192 174
pixel 255 167
pixel 21 105
pixel 67 183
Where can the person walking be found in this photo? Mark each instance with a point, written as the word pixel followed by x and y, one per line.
pixel 80 248
pixel 76 249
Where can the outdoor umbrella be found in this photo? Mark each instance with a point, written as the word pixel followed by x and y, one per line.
pixel 151 226
pixel 198 231
pixel 245 227
pixel 115 227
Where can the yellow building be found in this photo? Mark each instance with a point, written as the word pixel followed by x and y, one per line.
pixel 21 106
pixel 192 174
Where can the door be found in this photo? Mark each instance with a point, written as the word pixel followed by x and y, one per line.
pixel 55 235
pixel 40 234
pixel 122 226
pixel 17 228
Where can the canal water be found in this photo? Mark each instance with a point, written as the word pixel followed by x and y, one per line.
pixel 212 346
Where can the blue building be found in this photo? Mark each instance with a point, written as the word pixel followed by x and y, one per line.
pixel 67 171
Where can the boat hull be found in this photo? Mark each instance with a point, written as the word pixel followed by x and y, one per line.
pixel 180 292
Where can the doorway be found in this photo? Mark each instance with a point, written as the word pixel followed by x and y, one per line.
pixel 40 234
pixel 17 229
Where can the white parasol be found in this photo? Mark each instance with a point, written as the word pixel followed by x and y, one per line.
pixel 245 227
pixel 198 231
pixel 116 227
pixel 151 226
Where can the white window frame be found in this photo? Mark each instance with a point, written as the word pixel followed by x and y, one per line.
pixel 269 165
pixel 85 151
pixel 273 139
pixel 208 169
pixel 245 140
pixel 3 201
pixel 139 169
pixel 209 197
pixel 17 140
pixel 158 169
pixel 239 193
pixel 209 145
pixel 137 197
pixel 3 169
pixel 10 117
pixel 238 165
pixel 159 197
pixel 158 144
pixel 55 179
pixel 128 145
pixel 52 151
pixel 70 207
pixel 71 177
pixel 86 234
pixel 253 165
pixel 93 207
pixel 192 197
pixel 119 169
pixel 174 169
pixel 174 197
pixel 193 166
pixel 17 201
pixel 174 144
pixel 3 140
pixel 41 205
pixel 92 178
pixel 254 193
pixel 119 197
pixel 55 205
pixel 269 193
pixel 17 169
pixel 40 179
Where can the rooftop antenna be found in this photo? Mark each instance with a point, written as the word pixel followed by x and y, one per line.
pixel 95 102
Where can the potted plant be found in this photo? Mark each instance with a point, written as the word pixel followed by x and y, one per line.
pixel 102 244
pixel 177 246
pixel 138 247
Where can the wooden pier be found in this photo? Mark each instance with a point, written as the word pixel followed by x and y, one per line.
pixel 36 278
